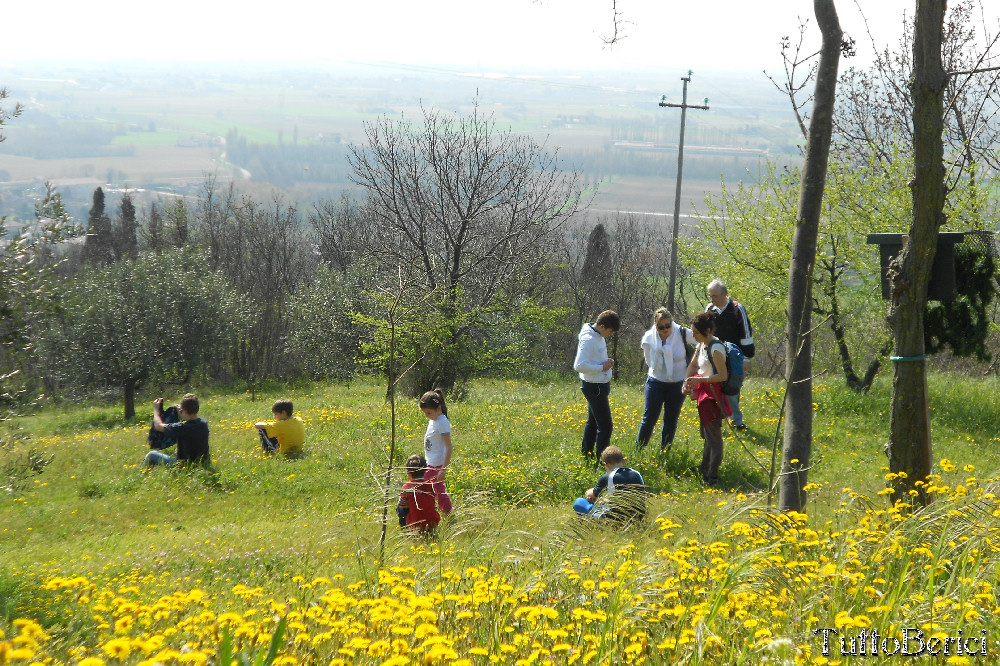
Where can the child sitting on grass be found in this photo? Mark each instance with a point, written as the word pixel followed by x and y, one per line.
pixel 189 432
pixel 626 496
pixel 416 508
pixel 285 434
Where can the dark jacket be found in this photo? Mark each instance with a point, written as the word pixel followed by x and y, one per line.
pixel 626 495
pixel 733 325
pixel 192 440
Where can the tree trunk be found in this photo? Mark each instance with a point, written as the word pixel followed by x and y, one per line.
pixel 129 389
pixel 909 447
pixel 797 443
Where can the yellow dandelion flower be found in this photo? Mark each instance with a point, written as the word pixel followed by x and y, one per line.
pixel 399 660
pixel 424 630
pixel 91 661
pixel 117 648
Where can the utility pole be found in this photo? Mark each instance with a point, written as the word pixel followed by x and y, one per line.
pixel 683 106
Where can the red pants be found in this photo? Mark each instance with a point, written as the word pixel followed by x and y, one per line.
pixel 435 475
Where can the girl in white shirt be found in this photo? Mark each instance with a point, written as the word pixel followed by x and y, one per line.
pixel 437 445
pixel 665 348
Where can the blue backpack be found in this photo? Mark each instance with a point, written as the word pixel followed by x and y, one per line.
pixel 734 368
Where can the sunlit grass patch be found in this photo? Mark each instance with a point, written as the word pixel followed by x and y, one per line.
pixel 106 562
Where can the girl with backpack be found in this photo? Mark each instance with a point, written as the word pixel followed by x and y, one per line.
pixel 705 374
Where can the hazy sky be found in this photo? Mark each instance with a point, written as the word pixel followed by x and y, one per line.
pixel 679 34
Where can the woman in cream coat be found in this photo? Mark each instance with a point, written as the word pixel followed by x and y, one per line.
pixel 665 348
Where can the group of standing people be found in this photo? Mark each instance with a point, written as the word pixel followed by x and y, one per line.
pixel 675 372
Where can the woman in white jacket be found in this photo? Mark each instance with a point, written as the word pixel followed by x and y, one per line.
pixel 665 348
pixel 594 367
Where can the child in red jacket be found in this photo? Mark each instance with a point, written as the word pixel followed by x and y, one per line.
pixel 417 508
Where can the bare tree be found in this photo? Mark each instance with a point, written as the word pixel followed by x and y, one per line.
pixel 797 444
pixel 341 229
pixel 468 204
pixel 795 84
pixel 635 255
pixel 875 105
pixel 262 249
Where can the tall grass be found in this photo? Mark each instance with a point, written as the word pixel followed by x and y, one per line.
pixel 103 560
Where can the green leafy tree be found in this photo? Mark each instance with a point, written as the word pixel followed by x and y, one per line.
pixel 746 238
pixel 51 209
pixel 162 315
pixel 395 323
pixel 6 114
pixel 27 294
pixel 154 232
pixel 177 223
pixel 324 338
pixel 962 324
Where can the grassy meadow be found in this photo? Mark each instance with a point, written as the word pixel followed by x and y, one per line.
pixel 104 562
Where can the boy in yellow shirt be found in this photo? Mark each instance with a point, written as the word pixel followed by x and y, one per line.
pixel 285 433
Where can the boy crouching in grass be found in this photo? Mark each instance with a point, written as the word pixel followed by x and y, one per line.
pixel 417 508
pixel 625 500
pixel 285 434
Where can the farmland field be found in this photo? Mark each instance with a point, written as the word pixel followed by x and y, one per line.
pixel 127 127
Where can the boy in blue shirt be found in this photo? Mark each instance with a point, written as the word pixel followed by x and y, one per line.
pixel 626 491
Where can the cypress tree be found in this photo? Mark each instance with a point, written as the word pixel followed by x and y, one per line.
pixel 597 273
pixel 98 247
pixel 154 229
pixel 126 242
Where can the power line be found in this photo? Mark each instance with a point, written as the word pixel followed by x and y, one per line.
pixel 683 106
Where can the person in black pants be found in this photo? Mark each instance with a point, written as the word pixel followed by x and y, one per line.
pixel 594 367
